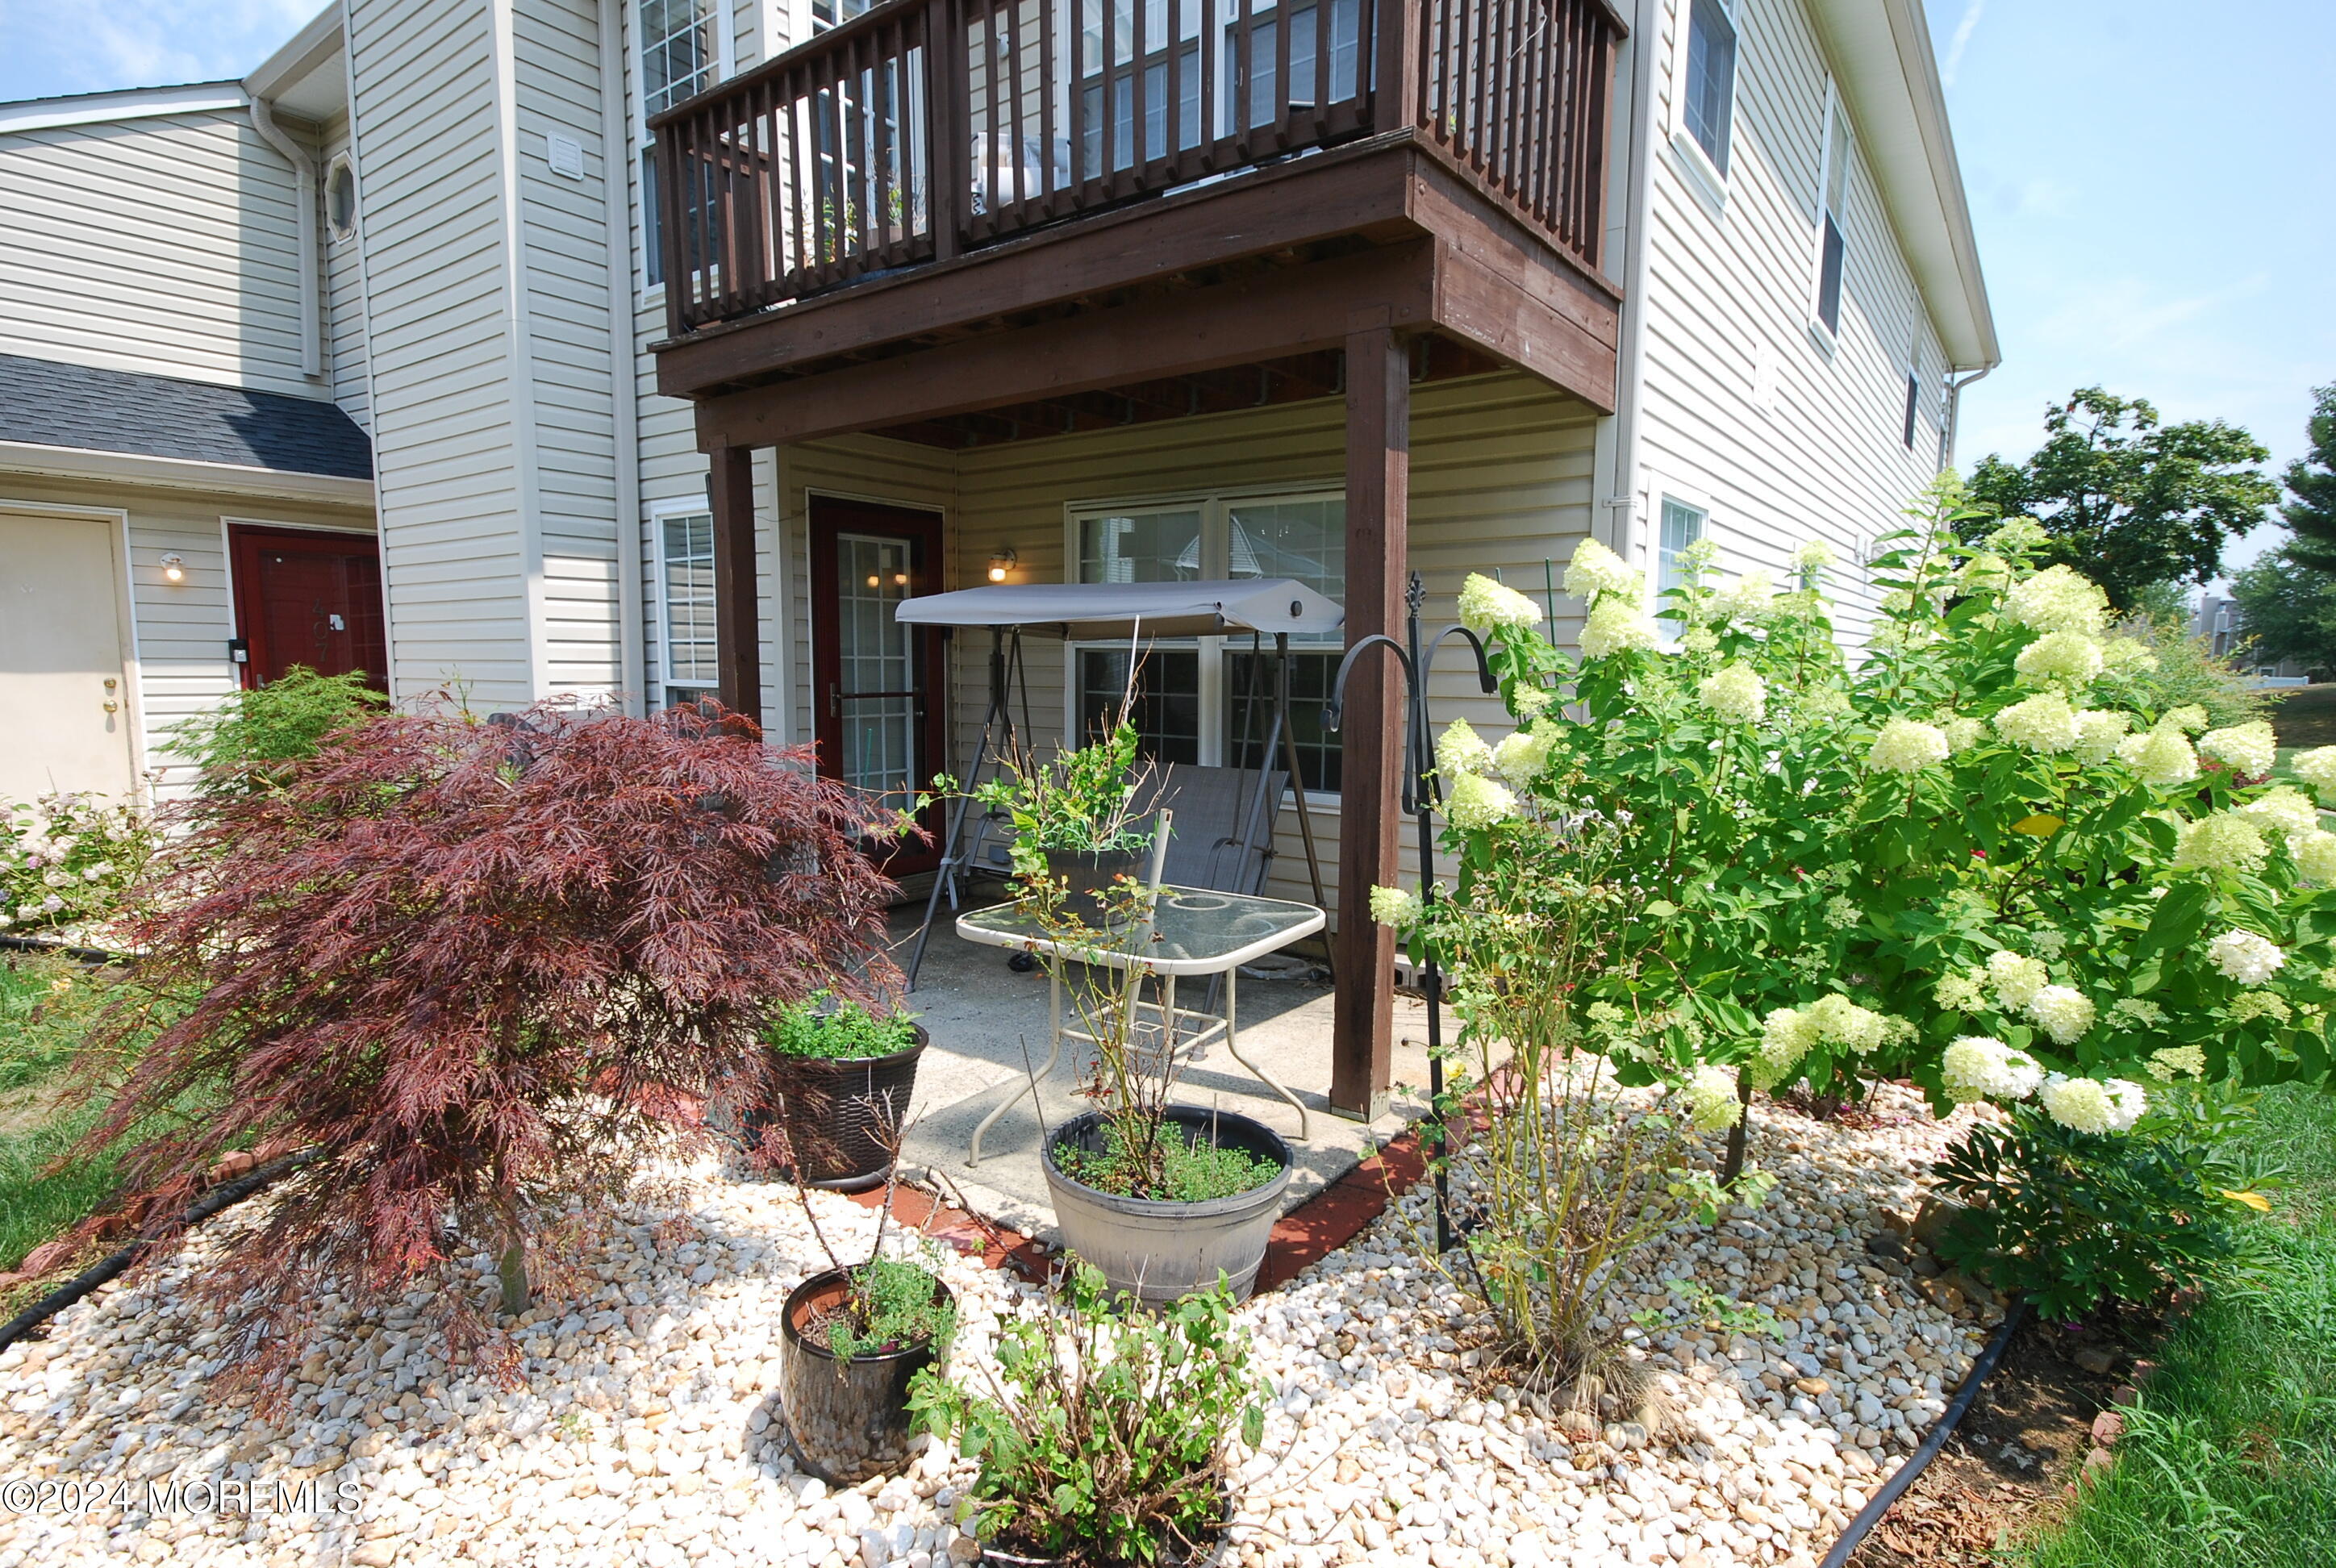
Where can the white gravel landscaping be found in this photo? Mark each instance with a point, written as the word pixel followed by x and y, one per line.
pixel 647 1433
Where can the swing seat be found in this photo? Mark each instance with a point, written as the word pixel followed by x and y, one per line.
pixel 1222 836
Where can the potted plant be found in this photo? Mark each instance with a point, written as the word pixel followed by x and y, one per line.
pixel 854 1338
pixel 839 1073
pixel 1073 817
pixel 1103 1438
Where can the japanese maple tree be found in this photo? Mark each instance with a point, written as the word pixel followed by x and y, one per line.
pixel 479 969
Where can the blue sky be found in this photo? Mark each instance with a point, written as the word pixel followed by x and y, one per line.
pixel 2151 180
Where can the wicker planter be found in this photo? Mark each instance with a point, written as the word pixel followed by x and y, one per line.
pixel 833 1108
pixel 849 1417
pixel 1157 1250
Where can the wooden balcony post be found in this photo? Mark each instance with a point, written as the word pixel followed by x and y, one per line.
pixel 947 125
pixel 737 596
pixel 1378 475
pixel 1395 50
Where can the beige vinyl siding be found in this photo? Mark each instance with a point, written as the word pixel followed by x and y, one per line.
pixel 1827 461
pixel 164 245
pixel 344 304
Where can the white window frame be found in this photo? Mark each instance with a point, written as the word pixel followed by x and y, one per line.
pixel 659 514
pixel 1828 334
pixel 340 160
pixel 637 94
pixel 1215 507
pixel 1669 631
pixel 1704 172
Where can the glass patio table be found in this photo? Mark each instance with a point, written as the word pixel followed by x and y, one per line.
pixel 1193 931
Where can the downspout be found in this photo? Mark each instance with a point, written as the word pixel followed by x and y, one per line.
pixel 624 397
pixel 304 182
pixel 1630 352
pixel 1953 423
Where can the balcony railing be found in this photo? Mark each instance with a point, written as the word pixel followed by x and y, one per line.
pixel 924 127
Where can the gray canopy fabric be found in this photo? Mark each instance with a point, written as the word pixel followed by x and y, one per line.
pixel 1098 611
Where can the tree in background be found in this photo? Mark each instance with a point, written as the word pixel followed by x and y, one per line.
pixel 2127 500
pixel 2311 481
pixel 2289 597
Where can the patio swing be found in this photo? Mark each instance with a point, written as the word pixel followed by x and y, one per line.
pixel 1224 816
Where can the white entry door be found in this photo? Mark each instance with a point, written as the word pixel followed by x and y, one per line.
pixel 64 701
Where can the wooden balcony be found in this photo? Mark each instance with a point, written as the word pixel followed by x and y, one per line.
pixel 936 169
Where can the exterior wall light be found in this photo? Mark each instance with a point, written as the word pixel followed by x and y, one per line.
pixel 174 568
pixel 1000 564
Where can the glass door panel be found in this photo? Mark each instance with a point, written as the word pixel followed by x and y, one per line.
pixel 874 694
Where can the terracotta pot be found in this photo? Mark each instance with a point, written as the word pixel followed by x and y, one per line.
pixel 849 1417
pixel 830 1108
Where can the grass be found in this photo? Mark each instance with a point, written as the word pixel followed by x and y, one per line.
pixel 2230 1459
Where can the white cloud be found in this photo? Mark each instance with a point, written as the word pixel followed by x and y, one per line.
pixel 1961 40
pixel 60 46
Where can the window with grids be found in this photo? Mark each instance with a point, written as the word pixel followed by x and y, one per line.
pixel 686 582
pixel 679 58
pixel 1833 253
pixel 1709 107
pixel 1211 699
pixel 1682 525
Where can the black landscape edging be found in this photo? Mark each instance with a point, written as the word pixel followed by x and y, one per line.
pixel 79 955
pixel 1940 1430
pixel 96 1275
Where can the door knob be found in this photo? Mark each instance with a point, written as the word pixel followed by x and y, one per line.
pixel 112 706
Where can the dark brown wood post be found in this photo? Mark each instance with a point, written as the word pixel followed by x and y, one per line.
pixel 1378 475
pixel 1396 47
pixel 948 126
pixel 737 592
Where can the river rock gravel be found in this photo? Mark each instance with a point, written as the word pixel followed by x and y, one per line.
pixel 648 1428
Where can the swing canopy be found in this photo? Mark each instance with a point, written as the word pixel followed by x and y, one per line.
pixel 1101 611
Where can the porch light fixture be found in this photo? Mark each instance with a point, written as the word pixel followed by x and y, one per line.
pixel 174 566
pixel 1002 562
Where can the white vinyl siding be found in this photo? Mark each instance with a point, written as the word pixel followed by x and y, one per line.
pixel 345 306
pixel 167 244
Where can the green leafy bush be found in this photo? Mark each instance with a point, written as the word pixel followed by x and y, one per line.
pixel 836 1030
pixel 67 863
pixel 244 744
pixel 1103 1439
pixel 2189 671
pixel 2069 1219
pixel 893 1303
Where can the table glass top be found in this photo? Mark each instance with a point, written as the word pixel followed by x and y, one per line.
pixel 1189 925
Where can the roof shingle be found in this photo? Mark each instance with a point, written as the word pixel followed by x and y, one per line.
pixel 56 405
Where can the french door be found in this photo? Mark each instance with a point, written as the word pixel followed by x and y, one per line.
pixel 878 686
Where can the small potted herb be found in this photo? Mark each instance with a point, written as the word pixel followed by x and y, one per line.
pixel 839 1075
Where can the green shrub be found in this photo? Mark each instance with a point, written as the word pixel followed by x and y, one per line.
pixel 244 744
pixel 1101 1439
pixel 2069 1219
pixel 893 1304
pixel 2189 671
pixel 67 863
pixel 838 1030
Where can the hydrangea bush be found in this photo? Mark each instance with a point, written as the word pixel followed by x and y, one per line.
pixel 66 862
pixel 1984 856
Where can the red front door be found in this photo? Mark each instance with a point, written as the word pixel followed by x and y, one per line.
pixel 312 599
pixel 876 683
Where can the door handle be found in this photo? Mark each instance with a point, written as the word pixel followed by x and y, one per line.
pixel 834 700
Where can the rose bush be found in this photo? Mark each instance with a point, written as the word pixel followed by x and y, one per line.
pixel 1987 856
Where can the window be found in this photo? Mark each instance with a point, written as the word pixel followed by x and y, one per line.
pixel 1913 405
pixel 1832 247
pixel 1709 103
pixel 1210 700
pixel 341 198
pixel 1682 525
pixel 680 56
pixel 685 585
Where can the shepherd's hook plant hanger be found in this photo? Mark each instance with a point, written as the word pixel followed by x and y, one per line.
pixel 1422 793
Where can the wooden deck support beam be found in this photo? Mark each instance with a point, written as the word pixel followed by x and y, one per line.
pixel 1378 476
pixel 737 593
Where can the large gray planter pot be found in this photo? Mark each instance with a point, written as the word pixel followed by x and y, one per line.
pixel 1158 1250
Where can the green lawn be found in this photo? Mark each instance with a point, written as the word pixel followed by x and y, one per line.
pixel 2230 1460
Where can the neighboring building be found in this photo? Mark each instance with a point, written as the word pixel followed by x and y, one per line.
pixel 2223 625
pixel 938 296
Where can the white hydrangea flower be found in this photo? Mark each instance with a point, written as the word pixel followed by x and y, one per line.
pixel 2245 957
pixel 1523 756
pixel 1488 608
pixel 2019 535
pixel 2317 767
pixel 1813 555
pixel 2058 599
pixel 2178 1062
pixel 2136 1013
pixel 1615 624
pixel 1786 1036
pixel 2161 757
pixel 2083 1105
pixel 1983 572
pixel 2189 718
pixel 2251 1005
pixel 1460 750
pixel 1395 907
pixel 1838 1020
pixel 1527 701
pixel 1596 571
pixel 1963 733
pixel 2120 654
pixel 2249 749
pixel 1907 746
pixel 2286 810
pixel 1711 1101
pixel 1980 1067
pixel 2099 732
pixel 2062 1012
pixel 2068 657
pixel 1963 993
pixel 2044 723
pixel 2015 979
pixel 1735 695
pixel 1477 803
pixel 1750 599
pixel 2315 855
pixel 2225 841
pixel 1700 641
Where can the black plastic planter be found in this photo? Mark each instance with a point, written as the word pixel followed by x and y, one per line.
pixel 1088 874
pixel 835 1110
pixel 849 1417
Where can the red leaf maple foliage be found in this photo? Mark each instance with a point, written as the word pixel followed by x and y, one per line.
pixel 481 969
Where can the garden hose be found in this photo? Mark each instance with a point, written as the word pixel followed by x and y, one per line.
pixel 90 1279
pixel 1870 1514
